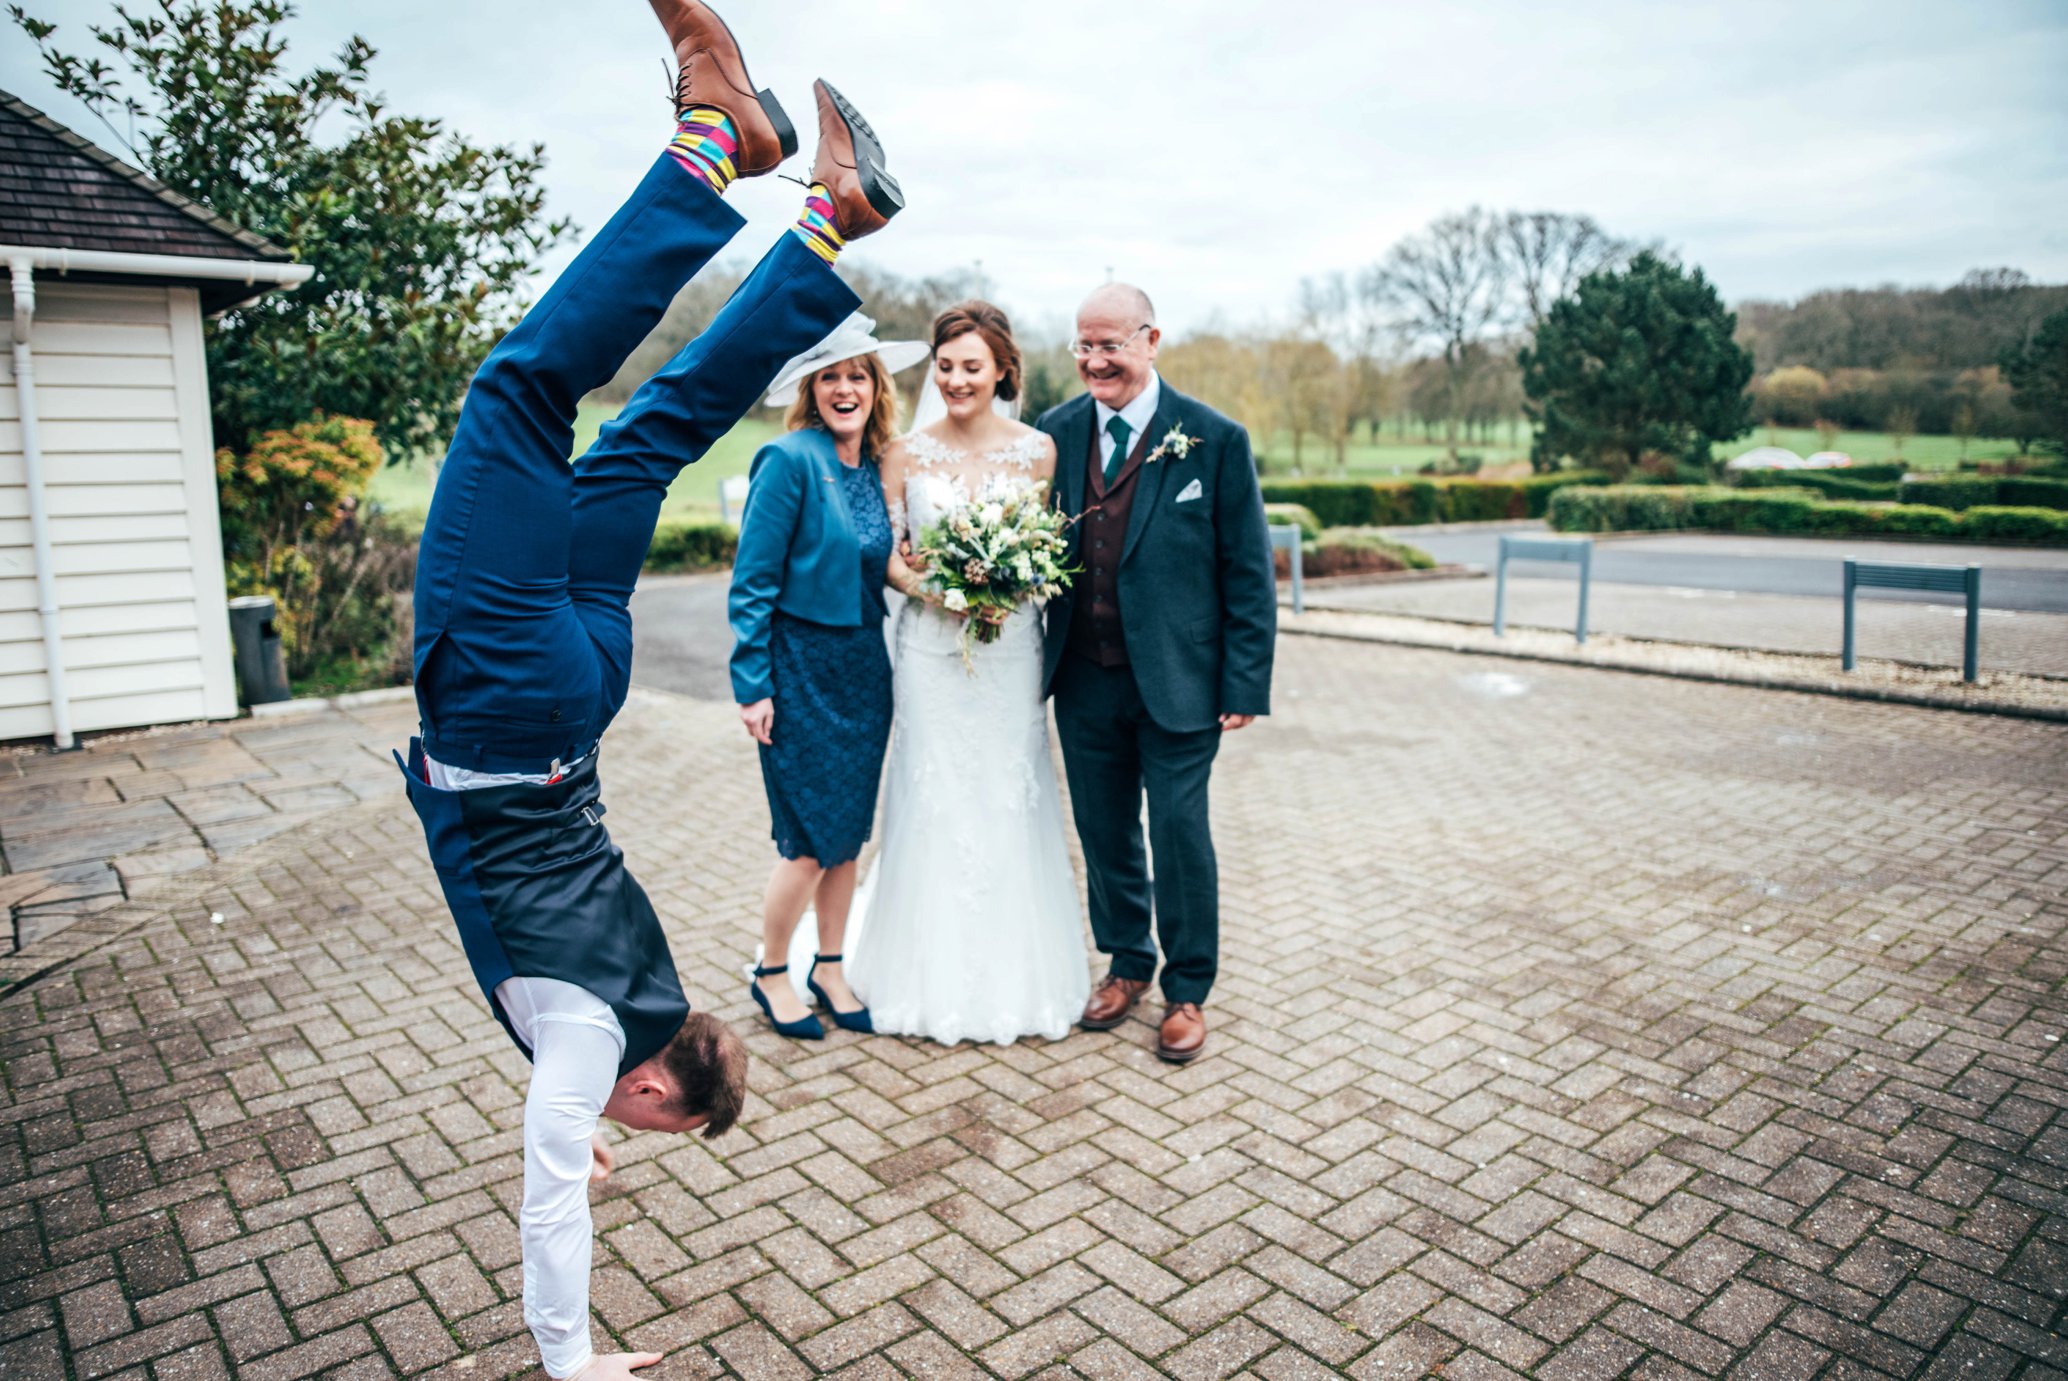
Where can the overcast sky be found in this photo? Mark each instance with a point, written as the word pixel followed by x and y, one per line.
pixel 1217 152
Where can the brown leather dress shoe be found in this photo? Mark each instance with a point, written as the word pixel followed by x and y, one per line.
pixel 850 164
pixel 711 72
pixel 1183 1034
pixel 1110 1002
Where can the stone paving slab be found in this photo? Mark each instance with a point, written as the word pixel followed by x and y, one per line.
pixel 1570 1024
pixel 84 831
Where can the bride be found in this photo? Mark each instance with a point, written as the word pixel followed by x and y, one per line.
pixel 969 928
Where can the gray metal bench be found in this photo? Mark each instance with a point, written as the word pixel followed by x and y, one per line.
pixel 1949 579
pixel 1286 536
pixel 1578 550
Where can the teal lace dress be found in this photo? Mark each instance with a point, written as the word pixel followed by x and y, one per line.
pixel 832 708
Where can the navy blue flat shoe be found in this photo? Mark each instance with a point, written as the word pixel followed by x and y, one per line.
pixel 857 1020
pixel 809 1029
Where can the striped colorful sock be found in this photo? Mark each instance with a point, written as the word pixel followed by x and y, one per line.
pixel 818 227
pixel 705 143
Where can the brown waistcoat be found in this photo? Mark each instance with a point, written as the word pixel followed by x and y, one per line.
pixel 1095 609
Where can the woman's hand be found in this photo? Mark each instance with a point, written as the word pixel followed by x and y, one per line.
pixel 602 1160
pixel 759 718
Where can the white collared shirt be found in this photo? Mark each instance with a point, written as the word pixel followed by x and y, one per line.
pixel 1138 415
pixel 576 1043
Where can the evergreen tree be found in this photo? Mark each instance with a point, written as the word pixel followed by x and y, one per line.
pixel 2038 376
pixel 1636 362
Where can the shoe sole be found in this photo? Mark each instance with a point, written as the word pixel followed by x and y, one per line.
pixel 1101 1025
pixel 771 108
pixel 885 197
pixel 1178 1057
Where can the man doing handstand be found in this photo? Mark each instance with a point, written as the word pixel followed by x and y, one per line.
pixel 524 639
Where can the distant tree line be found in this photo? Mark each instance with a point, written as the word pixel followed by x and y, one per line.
pixel 1900 360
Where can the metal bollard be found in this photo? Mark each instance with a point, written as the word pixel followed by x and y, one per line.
pixel 261 670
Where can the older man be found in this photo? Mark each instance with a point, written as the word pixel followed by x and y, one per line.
pixel 1164 644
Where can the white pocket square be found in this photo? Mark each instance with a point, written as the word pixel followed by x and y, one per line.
pixel 1190 492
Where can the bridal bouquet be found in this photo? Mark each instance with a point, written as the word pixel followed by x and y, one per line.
pixel 989 556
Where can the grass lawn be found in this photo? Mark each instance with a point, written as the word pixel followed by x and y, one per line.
pixel 406 489
pixel 1396 457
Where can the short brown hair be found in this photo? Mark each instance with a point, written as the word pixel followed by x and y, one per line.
pixel 709 1066
pixel 883 413
pixel 993 325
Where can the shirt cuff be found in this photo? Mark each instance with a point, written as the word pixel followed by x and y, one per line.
pixel 568 1358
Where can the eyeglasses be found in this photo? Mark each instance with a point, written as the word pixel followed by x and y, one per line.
pixel 1084 349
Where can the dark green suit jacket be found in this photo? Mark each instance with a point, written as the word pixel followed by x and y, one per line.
pixel 1198 598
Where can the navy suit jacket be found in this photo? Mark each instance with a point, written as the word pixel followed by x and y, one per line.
pixel 1198 597
pixel 798 553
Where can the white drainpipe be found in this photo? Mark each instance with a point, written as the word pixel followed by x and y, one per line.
pixel 21 268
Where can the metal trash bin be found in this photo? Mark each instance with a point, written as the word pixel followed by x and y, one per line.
pixel 261 670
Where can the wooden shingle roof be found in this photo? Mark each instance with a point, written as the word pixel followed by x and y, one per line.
pixel 59 191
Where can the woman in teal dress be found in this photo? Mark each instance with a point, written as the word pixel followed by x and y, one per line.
pixel 810 668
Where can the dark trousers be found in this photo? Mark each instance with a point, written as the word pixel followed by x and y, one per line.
pixel 1113 755
pixel 525 572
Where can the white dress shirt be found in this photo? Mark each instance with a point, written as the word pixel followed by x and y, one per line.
pixel 1138 415
pixel 576 1044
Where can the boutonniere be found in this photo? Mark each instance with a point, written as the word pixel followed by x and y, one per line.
pixel 1175 443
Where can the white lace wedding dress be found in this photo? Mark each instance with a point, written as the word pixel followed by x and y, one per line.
pixel 968 928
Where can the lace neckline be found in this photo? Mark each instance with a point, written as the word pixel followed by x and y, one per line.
pixel 927 452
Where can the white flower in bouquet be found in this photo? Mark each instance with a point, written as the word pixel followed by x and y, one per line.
pixel 955 601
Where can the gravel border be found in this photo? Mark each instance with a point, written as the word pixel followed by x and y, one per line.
pixel 1903 683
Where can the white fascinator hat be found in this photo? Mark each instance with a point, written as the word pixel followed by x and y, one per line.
pixel 853 337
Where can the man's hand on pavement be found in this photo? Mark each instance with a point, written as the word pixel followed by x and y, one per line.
pixel 1237 721
pixel 614 1366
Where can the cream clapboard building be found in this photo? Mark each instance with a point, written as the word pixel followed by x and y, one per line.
pixel 112 607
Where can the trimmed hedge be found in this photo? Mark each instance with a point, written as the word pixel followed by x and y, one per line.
pixel 691 547
pixel 1959 492
pixel 1832 484
pixel 1990 522
pixel 1635 508
pixel 1297 515
pixel 1416 502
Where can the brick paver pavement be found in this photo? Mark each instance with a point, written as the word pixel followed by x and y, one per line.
pixel 1570 1024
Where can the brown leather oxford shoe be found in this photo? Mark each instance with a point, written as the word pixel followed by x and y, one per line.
pixel 1183 1034
pixel 1110 1002
pixel 850 164
pixel 711 72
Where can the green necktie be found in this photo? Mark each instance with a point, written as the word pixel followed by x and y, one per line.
pixel 1117 428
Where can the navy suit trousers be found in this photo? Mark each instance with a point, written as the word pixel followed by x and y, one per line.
pixel 525 572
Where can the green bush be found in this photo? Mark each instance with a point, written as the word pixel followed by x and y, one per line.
pixel 1417 502
pixel 1878 472
pixel 1660 508
pixel 691 547
pixel 1296 515
pixel 1991 523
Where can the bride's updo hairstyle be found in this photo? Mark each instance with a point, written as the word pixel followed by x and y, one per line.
pixel 996 329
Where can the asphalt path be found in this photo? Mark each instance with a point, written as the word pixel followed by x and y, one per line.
pixel 680 639
pixel 2022 578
